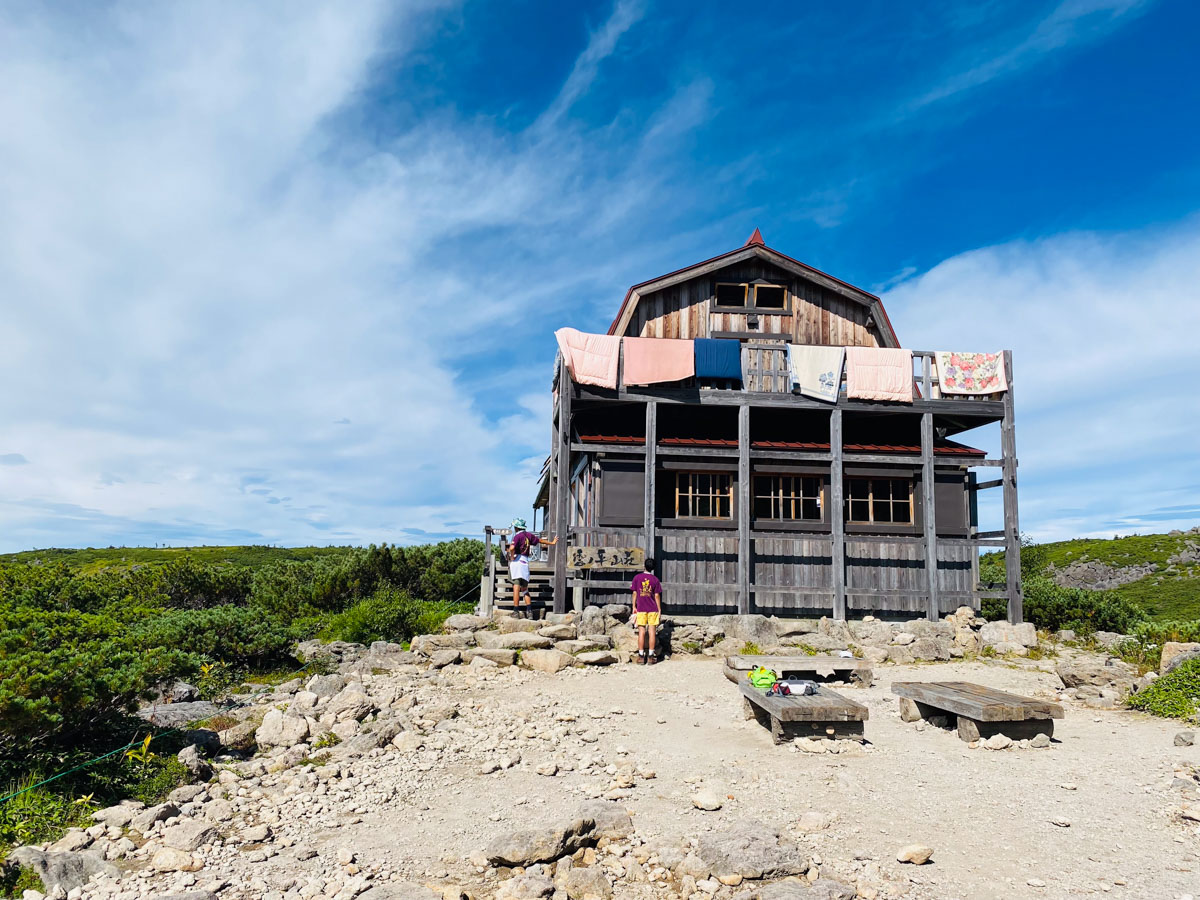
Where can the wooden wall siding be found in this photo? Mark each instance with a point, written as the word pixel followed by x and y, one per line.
pixel 765 369
pixel 708 561
pixel 802 564
pixel 818 316
pixel 900 567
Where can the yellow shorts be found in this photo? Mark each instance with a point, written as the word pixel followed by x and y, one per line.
pixel 646 620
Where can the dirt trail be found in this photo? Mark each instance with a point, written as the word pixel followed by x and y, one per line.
pixel 988 814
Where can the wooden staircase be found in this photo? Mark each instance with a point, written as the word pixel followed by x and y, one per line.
pixel 541 586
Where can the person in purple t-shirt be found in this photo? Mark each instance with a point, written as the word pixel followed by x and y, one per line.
pixel 647 608
pixel 520 545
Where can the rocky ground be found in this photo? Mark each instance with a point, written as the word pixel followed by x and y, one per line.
pixel 454 773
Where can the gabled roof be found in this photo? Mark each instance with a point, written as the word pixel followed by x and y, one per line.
pixel 756 247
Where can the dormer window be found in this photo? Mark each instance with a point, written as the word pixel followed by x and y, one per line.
pixel 764 297
pixel 732 294
pixel 770 296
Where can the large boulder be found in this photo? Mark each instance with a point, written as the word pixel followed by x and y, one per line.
pixel 750 850
pixel 325 685
pixel 612 821
pixel 547 660
pixel 279 729
pixel 498 657
pixel 587 883
pixel 823 643
pixel 521 640
pixel 62 871
pixel 994 633
pixel 188 835
pixel 560 632
pixel 511 625
pixel 1175 653
pixel 465 622
pixel 351 703
pixel 584 645
pixel 1099 672
pixel 528 846
pixel 791 627
pixel 752 629
pixel 426 644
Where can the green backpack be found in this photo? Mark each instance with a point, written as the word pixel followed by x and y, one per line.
pixel 762 678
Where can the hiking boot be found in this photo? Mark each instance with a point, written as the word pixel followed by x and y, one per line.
pixel 653 660
pixel 641 660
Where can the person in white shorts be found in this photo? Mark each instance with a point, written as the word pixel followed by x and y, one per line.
pixel 520 546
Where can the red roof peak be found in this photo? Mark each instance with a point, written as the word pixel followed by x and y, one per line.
pixel 755 238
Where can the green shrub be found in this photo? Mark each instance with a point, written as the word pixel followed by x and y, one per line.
pixel 387 615
pixel 1144 646
pixel 239 636
pixel 1052 607
pixel 1176 695
pixel 14 881
pixel 61 673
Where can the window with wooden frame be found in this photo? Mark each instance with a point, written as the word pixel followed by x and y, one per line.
pixel 703 495
pixel 732 294
pixel 788 498
pixel 747 295
pixel 879 501
pixel 770 296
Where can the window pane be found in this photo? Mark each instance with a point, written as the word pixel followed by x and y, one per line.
pixel 763 508
pixel 900 489
pixel 859 488
pixel 811 488
pixel 882 511
pixel 731 295
pixel 859 511
pixel 810 510
pixel 881 488
pixel 768 296
pixel 901 512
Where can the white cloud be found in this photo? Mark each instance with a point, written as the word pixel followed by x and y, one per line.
pixel 1102 329
pixel 231 315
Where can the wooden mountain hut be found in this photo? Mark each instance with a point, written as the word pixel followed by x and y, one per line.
pixel 753 496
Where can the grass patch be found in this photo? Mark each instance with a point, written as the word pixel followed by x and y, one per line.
pixel 1164 597
pixel 690 647
pixel 14 881
pixel 749 648
pixel 326 740
pixel 1175 696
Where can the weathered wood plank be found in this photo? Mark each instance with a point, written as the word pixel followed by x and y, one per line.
pixel 824 706
pixel 977 702
pixel 835 515
pixel 743 510
pixel 1012 533
pixel 928 510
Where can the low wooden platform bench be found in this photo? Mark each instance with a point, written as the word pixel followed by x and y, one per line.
pixel 856 671
pixel 980 711
pixel 825 714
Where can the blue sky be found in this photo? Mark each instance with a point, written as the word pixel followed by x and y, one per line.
pixel 289 273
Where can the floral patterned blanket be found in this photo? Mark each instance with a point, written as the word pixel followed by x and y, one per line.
pixel 971 373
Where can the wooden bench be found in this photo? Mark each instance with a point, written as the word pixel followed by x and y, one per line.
pixel 980 711
pixel 856 671
pixel 825 714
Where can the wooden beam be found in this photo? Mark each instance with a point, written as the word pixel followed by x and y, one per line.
pixel 928 511
pixel 486 594
pixel 985 410
pixel 650 476
pixel 743 511
pixel 984 485
pixel 1012 532
pixel 631 449
pixel 562 438
pixel 836 515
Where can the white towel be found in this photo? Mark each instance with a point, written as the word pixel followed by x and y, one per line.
pixel 816 370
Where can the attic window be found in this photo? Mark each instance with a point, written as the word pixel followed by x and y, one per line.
pixel 732 294
pixel 769 296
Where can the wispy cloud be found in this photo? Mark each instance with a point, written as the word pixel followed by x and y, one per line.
pixel 601 45
pixel 1070 22
pixel 1102 328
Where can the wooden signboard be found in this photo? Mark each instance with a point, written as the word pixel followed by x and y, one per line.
pixel 606 558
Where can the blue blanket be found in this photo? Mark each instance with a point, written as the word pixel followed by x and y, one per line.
pixel 718 358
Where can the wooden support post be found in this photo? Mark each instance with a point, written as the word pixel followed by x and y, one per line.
pixel 648 512
pixel 488 586
pixel 926 380
pixel 836 514
pixel 743 510
pixel 1012 532
pixel 562 436
pixel 928 517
